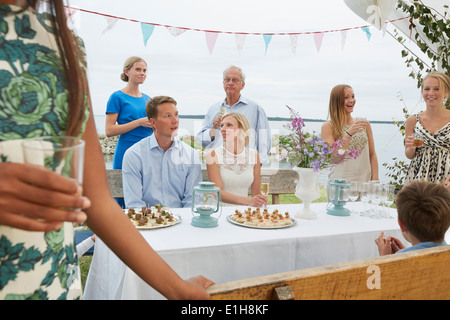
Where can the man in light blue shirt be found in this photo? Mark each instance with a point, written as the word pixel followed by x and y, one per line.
pixel 161 169
pixel 260 137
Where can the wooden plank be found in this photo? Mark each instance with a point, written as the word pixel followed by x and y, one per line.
pixel 420 274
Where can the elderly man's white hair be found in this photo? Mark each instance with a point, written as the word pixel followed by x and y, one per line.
pixel 237 68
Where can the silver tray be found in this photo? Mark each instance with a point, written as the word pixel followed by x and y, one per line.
pixel 230 219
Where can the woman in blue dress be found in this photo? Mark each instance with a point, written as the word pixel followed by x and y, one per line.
pixel 125 111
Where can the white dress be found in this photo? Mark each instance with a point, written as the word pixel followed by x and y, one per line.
pixel 236 171
pixel 358 169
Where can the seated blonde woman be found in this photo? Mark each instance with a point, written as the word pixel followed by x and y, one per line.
pixel 234 167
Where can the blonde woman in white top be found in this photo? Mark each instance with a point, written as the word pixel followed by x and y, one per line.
pixel 233 167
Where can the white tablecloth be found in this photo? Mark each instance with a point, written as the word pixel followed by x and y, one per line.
pixel 229 252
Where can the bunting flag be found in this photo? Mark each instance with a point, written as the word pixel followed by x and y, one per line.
pixel 294 40
pixel 367 31
pixel 343 38
pixel 240 40
pixel 110 24
pixel 318 37
pixel 267 38
pixel 211 38
pixel 174 31
pixel 147 29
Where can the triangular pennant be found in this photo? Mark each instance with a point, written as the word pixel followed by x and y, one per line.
pixel 211 38
pixel 147 30
pixel 293 38
pixel 174 31
pixel 72 18
pixel 240 40
pixel 70 12
pixel 343 38
pixel 367 31
pixel 267 38
pixel 318 37
pixel 111 22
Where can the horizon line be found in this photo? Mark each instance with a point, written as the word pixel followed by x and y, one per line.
pixel 280 119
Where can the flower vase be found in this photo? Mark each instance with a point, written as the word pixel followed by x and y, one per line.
pixel 307 190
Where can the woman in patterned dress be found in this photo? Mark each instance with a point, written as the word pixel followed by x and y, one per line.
pixel 354 133
pixel 37 98
pixel 234 167
pixel 431 161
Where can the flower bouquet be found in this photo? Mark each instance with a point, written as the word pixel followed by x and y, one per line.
pixel 309 150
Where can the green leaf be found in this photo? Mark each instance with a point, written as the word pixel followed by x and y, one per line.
pixel 28 259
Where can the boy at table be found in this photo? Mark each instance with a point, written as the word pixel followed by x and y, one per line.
pixel 161 169
pixel 423 215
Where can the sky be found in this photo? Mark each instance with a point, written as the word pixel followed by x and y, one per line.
pixel 183 67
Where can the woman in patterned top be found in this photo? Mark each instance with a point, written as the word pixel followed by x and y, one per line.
pixel 38 98
pixel 354 133
pixel 431 161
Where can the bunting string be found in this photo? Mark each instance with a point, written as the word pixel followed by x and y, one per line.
pixel 147 29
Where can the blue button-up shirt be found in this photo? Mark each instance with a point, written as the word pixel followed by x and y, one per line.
pixel 260 137
pixel 152 176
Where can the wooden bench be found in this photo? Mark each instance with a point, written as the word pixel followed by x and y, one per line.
pixel 420 274
pixel 282 181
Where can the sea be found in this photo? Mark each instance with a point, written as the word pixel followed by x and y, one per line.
pixel 387 137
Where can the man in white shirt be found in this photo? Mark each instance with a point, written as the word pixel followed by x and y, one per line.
pixel 161 169
pixel 260 137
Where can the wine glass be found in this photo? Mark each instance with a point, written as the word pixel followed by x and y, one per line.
pixel 365 197
pixel 353 193
pixel 265 187
pixel 389 197
pixel 375 198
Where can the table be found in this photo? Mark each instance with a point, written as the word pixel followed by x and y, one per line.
pixel 229 252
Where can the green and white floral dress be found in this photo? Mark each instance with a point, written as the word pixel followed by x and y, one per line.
pixel 33 102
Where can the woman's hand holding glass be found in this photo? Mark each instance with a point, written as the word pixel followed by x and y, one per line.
pixel 358 125
pixel 32 198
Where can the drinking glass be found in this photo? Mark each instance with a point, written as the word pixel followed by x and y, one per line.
pixel 61 154
pixel 365 198
pixel 353 194
pixel 418 140
pixel 375 198
pixel 390 197
pixel 265 187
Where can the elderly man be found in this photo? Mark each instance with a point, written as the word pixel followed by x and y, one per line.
pixel 161 169
pixel 260 138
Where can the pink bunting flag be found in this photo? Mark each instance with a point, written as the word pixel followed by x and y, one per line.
pixel 211 38
pixel 240 40
pixel 318 37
